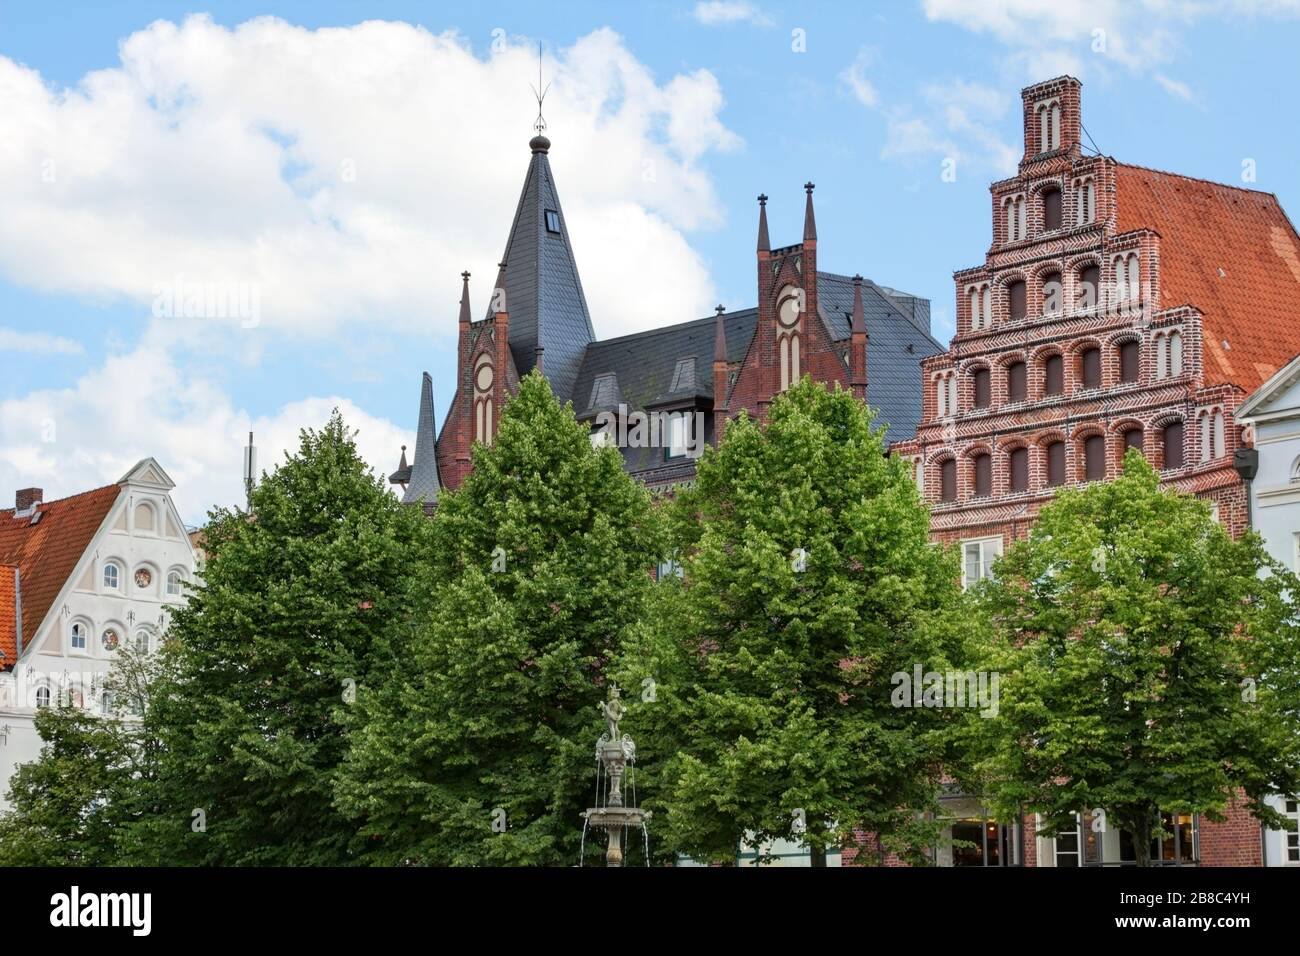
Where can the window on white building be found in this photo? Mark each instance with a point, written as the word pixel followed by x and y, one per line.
pixel 112 576
pixel 77 639
pixel 174 580
pixel 977 559
pixel 42 697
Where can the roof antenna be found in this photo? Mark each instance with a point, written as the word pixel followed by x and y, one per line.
pixel 540 92
pixel 250 471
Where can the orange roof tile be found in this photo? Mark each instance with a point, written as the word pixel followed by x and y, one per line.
pixel 45 552
pixel 8 615
pixel 1233 254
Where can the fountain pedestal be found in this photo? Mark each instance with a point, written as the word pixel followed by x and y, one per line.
pixel 614 753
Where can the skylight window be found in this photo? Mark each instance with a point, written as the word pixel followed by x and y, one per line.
pixel 552 221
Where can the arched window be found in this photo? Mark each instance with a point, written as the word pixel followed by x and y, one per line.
pixel 1018 467
pixel 982 479
pixel 1052 294
pixel 1129 361
pixel 42 696
pixel 112 576
pixel 1162 357
pixel 143 641
pixel 1212 440
pixel 1090 368
pixel 1133 439
pixel 1056 125
pixel 1017 386
pixel 941 398
pixel 174 580
pixel 952 394
pixel 1084 207
pixel 983 393
pixel 144 517
pixel 1175 353
pixel 1053 375
pixel 1128 285
pixel 948 480
pixel 484 378
pixel 77 636
pixel 1086 292
pixel 1172 445
pixel 1055 463
pixel 1051 209
pixel 1017 306
pixel 1094 458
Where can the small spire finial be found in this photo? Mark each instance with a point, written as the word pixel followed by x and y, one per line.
pixel 540 92
pixel 809 220
pixel 764 245
pixel 720 308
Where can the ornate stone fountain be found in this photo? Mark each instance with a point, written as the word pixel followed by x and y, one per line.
pixel 615 813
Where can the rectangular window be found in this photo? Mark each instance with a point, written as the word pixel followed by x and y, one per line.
pixel 1016 384
pixel 679 432
pixel 1056 463
pixel 1019 469
pixel 553 221
pixel 977 559
pixel 669 568
pixel 1128 362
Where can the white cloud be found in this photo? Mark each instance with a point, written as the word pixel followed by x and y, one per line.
pixel 1049 38
pixel 1175 87
pixel 715 12
pixel 139 403
pixel 37 343
pixel 350 174
pixel 855 78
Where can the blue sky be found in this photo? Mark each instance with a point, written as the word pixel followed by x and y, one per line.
pixel 348 176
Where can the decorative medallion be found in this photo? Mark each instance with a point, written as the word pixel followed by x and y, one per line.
pixel 109 639
pixel 143 578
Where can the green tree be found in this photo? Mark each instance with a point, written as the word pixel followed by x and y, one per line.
pixel 808 582
pixel 1148 664
pixel 292 612
pixel 480 748
pixel 76 803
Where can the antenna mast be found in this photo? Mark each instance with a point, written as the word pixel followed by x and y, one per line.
pixel 540 92
pixel 250 471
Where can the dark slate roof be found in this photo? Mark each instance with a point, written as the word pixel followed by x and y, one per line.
pixel 895 322
pixel 644 364
pixel 423 480
pixel 543 291
pixel 639 369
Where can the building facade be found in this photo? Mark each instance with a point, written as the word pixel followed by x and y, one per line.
pixel 1272 414
pixel 79 578
pixel 661 395
pixel 1116 307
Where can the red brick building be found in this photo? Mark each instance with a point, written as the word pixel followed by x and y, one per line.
pixel 690 375
pixel 1117 306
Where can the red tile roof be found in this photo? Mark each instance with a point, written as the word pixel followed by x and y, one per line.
pixel 8 615
pixel 1254 302
pixel 46 552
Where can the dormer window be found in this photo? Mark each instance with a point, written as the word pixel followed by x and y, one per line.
pixel 552 221
pixel 679 434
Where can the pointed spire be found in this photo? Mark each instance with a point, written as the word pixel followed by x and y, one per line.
pixel 720 336
pixel 498 302
pixel 764 245
pixel 464 298
pixel 809 222
pixel 859 324
pixel 402 465
pixel 425 481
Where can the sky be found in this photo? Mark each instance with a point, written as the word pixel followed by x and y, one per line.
pixel 234 216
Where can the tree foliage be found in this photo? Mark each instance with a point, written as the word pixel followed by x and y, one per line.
pixel 1148 663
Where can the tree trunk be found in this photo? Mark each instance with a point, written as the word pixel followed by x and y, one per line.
pixel 1142 840
pixel 817 857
